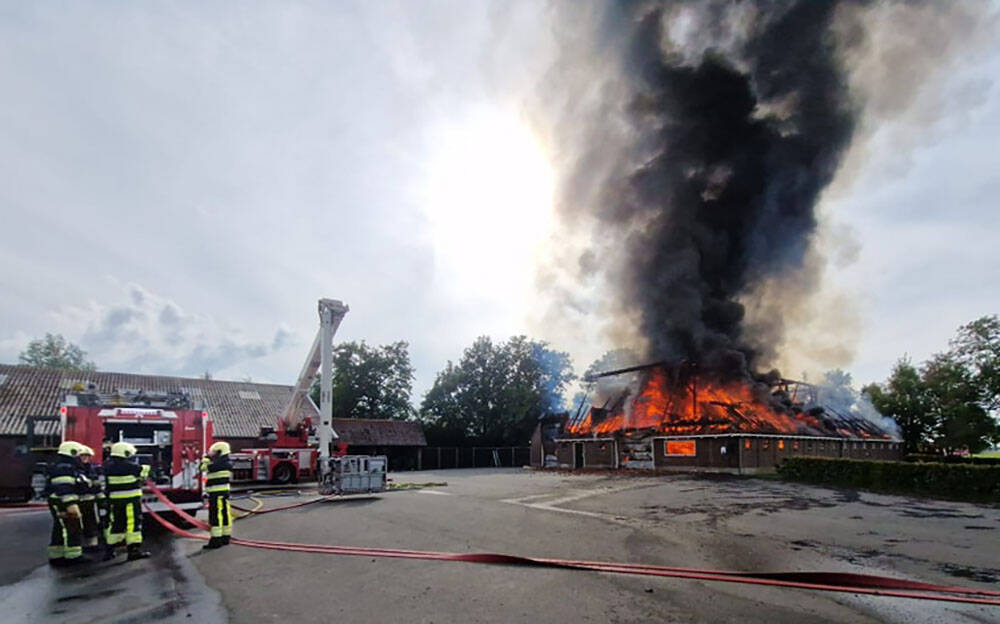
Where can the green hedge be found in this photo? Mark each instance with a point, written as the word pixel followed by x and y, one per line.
pixel 953 481
pixel 952 459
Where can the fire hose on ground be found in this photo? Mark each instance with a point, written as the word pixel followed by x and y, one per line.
pixel 257 511
pixel 248 512
pixel 845 582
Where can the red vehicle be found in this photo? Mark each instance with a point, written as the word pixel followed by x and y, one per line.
pixel 297 448
pixel 168 433
pixel 287 458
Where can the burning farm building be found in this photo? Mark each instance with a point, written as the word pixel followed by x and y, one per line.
pixel 675 415
pixel 701 138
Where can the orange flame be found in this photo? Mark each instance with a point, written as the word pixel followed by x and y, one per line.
pixel 701 406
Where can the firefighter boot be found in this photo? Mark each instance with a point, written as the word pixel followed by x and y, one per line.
pixel 225 540
pixel 109 552
pixel 213 543
pixel 135 552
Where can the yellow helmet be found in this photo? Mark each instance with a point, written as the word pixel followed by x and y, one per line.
pixel 219 448
pixel 86 450
pixel 122 449
pixel 70 448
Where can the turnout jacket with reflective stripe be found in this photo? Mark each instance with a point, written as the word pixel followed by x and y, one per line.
pixel 122 478
pixel 91 484
pixel 218 472
pixel 62 478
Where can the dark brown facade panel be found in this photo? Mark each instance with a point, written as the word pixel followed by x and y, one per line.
pixel 537 451
pixel 728 452
pixel 564 455
pixel 600 454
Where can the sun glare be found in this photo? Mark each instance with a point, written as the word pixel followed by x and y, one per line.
pixel 488 202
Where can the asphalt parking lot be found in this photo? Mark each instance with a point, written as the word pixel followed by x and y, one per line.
pixel 164 588
pixel 682 520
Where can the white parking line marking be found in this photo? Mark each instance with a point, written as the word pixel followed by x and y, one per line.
pixel 560 498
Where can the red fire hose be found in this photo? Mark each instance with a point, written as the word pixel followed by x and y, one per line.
pixel 821 581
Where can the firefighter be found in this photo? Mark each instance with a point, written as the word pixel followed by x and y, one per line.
pixel 90 490
pixel 65 547
pixel 218 472
pixel 124 478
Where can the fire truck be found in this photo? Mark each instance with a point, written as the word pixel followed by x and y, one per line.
pixel 170 435
pixel 297 448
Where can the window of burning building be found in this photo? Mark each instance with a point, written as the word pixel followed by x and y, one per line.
pixel 746 443
pixel 781 445
pixel 765 444
pixel 795 445
pixel 680 448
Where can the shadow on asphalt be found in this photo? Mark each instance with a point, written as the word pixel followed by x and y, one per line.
pixel 164 588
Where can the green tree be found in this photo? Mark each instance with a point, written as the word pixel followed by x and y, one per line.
pixel 950 403
pixel 977 347
pixel 54 351
pixel 954 400
pixel 556 373
pixel 442 411
pixel 496 392
pixel 904 398
pixel 371 382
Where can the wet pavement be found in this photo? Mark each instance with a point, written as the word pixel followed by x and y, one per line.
pixel 700 521
pixel 163 588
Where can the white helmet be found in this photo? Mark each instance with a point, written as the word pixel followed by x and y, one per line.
pixel 70 448
pixel 122 449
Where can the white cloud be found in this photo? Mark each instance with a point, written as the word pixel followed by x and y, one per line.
pixel 227 168
pixel 142 331
pixel 12 346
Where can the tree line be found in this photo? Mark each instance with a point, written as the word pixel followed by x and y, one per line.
pixel 495 392
pixel 949 403
pixel 492 395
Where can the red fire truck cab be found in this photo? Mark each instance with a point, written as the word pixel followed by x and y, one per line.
pixel 289 456
pixel 170 435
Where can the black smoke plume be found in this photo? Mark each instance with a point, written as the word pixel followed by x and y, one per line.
pixel 733 146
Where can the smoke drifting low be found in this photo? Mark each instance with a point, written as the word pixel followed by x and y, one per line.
pixel 696 140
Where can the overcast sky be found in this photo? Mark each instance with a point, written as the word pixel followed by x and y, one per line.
pixel 182 181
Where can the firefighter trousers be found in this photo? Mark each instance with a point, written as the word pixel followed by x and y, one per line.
pixel 67 533
pixel 220 514
pixel 91 521
pixel 124 521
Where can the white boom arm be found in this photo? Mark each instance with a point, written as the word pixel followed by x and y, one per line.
pixel 331 313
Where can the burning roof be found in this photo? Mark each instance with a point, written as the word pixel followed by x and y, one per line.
pixel 681 399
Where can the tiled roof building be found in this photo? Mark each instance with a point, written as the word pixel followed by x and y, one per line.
pixel 238 409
